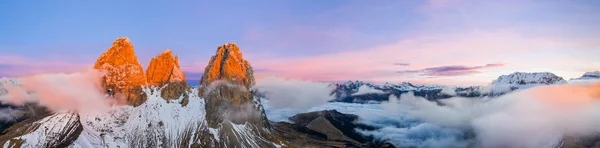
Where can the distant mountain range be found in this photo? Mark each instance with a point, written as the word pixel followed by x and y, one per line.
pixel 350 91
pixel 589 76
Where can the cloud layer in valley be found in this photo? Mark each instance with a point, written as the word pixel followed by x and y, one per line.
pixel 290 93
pixel 364 89
pixel 537 117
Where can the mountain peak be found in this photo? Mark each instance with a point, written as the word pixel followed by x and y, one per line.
pixel 589 75
pixel 524 78
pixel 228 64
pixel 123 72
pixel 226 87
pixel 164 68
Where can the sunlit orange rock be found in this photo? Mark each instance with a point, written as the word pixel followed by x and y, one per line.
pixel 123 72
pixel 164 69
pixel 226 87
pixel 229 65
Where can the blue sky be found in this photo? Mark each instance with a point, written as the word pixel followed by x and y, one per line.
pixel 331 40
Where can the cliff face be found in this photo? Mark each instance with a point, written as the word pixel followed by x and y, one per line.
pixel 228 64
pixel 231 103
pixel 123 72
pixel 164 70
pixel 226 81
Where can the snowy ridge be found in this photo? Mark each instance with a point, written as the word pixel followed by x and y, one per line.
pixel 519 81
pixel 155 123
pixel 52 131
pixel 404 86
pixel 158 120
pixel 361 92
pixel 8 81
pixel 589 76
pixel 521 78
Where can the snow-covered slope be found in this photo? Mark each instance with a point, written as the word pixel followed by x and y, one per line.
pixel 521 80
pixel 589 76
pixel 373 93
pixel 536 78
pixel 7 81
pixel 57 130
pixel 347 92
pixel 157 122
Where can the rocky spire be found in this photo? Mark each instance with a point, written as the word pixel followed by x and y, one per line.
pixel 230 101
pixel 163 69
pixel 123 72
pixel 228 64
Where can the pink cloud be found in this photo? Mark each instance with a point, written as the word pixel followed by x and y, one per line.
pixel 376 63
pixel 60 92
pixel 452 70
pixel 18 66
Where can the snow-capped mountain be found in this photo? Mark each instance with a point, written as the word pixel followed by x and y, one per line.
pixel 351 91
pixel 589 76
pixel 155 123
pixel 7 81
pixel 224 111
pixel 519 81
pixel 536 78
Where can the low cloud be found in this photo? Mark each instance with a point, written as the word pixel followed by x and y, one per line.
pixel 367 90
pixel 537 117
pixel 452 70
pixel 59 92
pixel 290 93
pixel 449 91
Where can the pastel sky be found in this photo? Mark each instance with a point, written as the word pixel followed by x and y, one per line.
pixel 449 42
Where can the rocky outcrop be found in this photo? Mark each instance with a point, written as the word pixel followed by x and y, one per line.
pixel 228 65
pixel 232 107
pixel 123 73
pixel 226 81
pixel 164 70
pixel 327 128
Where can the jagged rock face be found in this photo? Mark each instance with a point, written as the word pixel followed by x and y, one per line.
pixel 231 104
pixel 57 130
pixel 123 72
pixel 164 70
pixel 227 80
pixel 229 65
